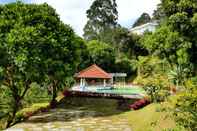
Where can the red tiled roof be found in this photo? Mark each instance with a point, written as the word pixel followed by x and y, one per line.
pixel 93 72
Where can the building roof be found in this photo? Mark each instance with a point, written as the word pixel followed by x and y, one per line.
pixel 144 26
pixel 93 72
pixel 151 26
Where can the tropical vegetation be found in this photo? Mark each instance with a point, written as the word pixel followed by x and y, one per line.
pixel 39 56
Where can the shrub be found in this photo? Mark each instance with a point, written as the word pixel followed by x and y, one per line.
pixel 66 93
pixel 28 112
pixel 139 104
pixel 36 94
pixel 20 117
pixel 185 107
pixel 53 104
pixel 157 87
pixel 44 109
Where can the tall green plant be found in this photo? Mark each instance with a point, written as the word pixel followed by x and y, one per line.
pixel 37 47
pixel 179 74
pixel 185 106
pixel 101 54
pixel 102 17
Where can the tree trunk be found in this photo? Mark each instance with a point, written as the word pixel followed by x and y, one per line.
pixel 53 102
pixel 54 94
pixel 13 114
pixel 11 118
pixel 17 103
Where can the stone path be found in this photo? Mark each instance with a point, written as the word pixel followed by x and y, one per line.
pixel 72 120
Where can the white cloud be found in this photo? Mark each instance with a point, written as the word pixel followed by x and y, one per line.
pixel 73 12
pixel 130 10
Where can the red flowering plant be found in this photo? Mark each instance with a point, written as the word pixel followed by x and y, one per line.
pixel 66 93
pixel 139 104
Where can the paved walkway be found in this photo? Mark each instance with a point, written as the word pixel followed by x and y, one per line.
pixel 72 120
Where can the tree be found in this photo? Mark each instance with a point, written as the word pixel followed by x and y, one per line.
pixel 159 14
pixel 37 47
pixel 167 44
pixel 85 55
pixel 126 43
pixel 182 19
pixel 124 64
pixel 175 41
pixel 101 54
pixel 143 19
pixel 102 17
pixel 184 106
pixel 151 74
pixel 179 30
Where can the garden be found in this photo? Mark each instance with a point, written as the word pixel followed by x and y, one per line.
pixel 40 54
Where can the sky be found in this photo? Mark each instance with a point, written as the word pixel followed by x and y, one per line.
pixel 73 12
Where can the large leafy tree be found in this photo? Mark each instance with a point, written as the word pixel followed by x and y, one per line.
pixel 102 18
pixel 175 41
pixel 143 19
pixel 179 30
pixel 182 16
pixel 159 14
pixel 101 54
pixel 36 47
pixel 125 42
pixel 167 45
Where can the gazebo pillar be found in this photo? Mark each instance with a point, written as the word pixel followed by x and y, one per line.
pixel 104 82
pixel 81 82
pixel 84 81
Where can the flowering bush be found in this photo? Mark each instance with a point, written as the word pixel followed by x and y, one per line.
pixel 139 104
pixel 66 93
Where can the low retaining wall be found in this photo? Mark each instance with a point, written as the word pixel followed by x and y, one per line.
pixel 100 95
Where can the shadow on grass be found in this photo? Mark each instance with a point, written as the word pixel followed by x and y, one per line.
pixel 74 108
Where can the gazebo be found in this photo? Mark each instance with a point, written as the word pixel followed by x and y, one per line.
pixel 93 75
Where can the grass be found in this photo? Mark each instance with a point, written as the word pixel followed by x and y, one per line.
pixel 33 108
pixel 150 119
pixel 36 106
pixel 22 112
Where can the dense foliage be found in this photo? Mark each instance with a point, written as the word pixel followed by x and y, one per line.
pixel 101 54
pixel 186 107
pixel 143 19
pixel 36 47
pixel 175 42
pixel 39 54
pixel 102 18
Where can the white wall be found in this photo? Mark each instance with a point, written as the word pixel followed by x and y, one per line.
pixel 146 27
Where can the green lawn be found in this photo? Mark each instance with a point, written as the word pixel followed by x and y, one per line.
pixel 149 118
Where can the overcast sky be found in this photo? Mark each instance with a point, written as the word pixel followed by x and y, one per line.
pixel 73 12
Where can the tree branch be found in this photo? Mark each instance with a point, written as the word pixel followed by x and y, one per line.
pixel 28 82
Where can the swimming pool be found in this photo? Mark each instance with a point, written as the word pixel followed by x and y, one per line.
pixel 120 90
